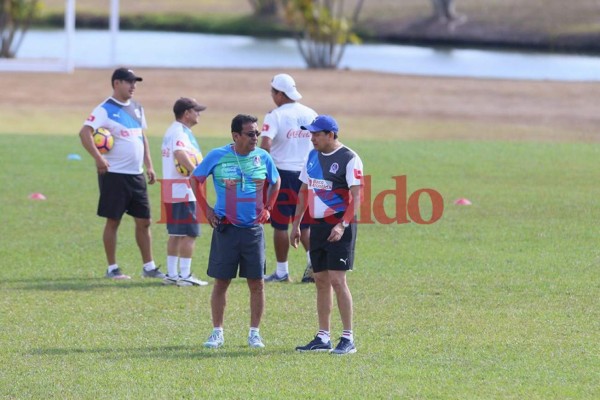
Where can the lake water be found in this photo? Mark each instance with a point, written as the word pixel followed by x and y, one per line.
pixel 191 50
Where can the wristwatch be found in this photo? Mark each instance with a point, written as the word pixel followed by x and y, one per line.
pixel 345 224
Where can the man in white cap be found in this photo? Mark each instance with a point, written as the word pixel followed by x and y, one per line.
pixel 289 145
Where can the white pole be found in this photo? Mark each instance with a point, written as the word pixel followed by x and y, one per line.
pixel 70 33
pixel 114 30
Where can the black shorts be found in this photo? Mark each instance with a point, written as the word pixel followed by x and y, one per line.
pixel 181 219
pixel 285 206
pixel 232 247
pixel 123 193
pixel 324 255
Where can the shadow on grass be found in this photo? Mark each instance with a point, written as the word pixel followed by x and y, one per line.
pixel 75 284
pixel 166 352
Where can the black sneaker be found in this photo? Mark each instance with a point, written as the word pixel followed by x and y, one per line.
pixel 345 346
pixel 315 345
pixel 308 275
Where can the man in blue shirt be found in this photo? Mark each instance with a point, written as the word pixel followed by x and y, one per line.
pixel 239 171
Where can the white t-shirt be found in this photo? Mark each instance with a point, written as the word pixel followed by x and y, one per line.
pixel 177 137
pixel 290 144
pixel 126 122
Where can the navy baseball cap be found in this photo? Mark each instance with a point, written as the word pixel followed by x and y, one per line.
pixel 185 103
pixel 125 74
pixel 322 123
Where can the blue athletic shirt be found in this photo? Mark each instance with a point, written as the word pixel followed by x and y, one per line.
pixel 238 181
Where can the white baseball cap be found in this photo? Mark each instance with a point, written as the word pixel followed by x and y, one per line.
pixel 286 84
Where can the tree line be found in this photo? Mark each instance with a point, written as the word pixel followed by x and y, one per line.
pixel 323 28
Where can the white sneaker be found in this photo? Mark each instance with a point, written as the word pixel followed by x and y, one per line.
pixel 215 340
pixel 168 280
pixel 255 341
pixel 191 281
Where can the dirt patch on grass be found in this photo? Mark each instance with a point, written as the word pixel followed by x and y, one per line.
pixel 380 105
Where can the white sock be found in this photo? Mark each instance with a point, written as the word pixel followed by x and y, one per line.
pixel 218 329
pixel 348 335
pixel 253 331
pixel 185 265
pixel 149 266
pixel 308 258
pixel 172 262
pixel 282 268
pixel 324 336
pixel 112 267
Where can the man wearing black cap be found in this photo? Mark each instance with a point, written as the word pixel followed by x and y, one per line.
pixel 331 188
pixel 121 170
pixel 180 155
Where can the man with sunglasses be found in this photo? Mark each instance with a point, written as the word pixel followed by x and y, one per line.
pixel 239 171
pixel 288 144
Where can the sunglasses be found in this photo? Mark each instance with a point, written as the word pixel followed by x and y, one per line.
pixel 251 134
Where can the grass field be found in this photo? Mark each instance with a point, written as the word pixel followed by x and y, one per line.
pixel 496 300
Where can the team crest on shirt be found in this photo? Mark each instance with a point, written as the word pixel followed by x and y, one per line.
pixel 256 161
pixel 91 118
pixel 334 168
pixel 138 113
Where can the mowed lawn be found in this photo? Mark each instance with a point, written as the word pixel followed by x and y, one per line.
pixel 495 300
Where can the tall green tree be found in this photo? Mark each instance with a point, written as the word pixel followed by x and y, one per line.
pixel 323 29
pixel 15 19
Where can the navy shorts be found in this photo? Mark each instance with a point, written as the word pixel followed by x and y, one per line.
pixel 181 219
pixel 123 193
pixel 233 247
pixel 285 206
pixel 337 256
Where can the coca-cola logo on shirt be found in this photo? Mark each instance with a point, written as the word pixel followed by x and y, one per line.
pixel 298 134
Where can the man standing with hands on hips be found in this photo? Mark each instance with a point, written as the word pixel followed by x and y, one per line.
pixel 332 189
pixel 288 144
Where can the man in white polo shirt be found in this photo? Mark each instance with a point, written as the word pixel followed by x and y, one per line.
pixel 289 146
pixel 179 201
pixel 121 171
